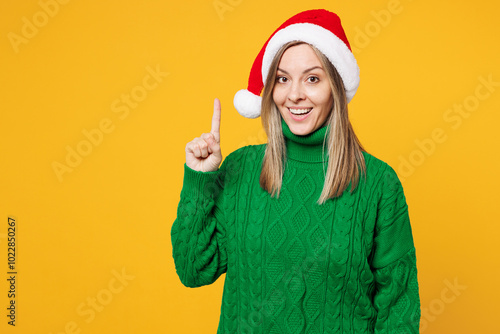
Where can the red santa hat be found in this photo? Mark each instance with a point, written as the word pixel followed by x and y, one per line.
pixel 317 27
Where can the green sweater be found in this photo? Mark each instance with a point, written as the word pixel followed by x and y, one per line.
pixel 293 266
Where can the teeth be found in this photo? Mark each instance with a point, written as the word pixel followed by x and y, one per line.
pixel 299 111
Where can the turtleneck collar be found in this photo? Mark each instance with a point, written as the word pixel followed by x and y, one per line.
pixel 308 148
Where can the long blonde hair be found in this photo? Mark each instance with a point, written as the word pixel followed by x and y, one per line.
pixel 346 161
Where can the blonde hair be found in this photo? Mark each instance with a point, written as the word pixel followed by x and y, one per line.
pixel 346 161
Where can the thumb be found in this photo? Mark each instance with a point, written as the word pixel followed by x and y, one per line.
pixel 213 145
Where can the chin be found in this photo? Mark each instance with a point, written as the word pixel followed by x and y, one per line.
pixel 300 130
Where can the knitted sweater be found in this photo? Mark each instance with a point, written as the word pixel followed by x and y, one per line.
pixel 293 266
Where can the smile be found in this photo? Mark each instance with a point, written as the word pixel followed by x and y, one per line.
pixel 300 111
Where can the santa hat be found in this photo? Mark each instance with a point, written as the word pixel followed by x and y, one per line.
pixel 317 27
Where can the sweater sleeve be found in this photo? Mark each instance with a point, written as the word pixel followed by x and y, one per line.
pixel 198 233
pixel 394 264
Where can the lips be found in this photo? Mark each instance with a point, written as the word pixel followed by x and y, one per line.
pixel 300 111
pixel 299 114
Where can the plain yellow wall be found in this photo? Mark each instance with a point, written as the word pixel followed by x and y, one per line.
pixel 99 99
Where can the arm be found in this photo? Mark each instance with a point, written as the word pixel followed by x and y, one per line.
pixel 394 262
pixel 198 233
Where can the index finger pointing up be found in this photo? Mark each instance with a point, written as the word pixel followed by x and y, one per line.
pixel 216 120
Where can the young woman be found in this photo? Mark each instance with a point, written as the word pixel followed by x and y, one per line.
pixel 312 231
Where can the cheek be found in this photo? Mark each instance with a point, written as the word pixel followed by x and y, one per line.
pixel 322 97
pixel 278 96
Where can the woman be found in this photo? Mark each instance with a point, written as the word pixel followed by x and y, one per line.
pixel 312 231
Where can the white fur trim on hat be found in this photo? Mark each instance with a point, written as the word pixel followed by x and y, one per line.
pixel 247 104
pixel 324 40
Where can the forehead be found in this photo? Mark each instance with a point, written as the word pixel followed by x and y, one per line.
pixel 299 56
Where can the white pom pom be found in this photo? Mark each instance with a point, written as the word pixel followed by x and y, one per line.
pixel 247 104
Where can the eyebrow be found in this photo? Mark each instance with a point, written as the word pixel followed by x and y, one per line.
pixel 305 71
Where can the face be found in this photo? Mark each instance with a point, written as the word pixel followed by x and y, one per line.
pixel 302 91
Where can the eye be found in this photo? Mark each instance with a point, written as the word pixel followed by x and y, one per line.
pixel 280 79
pixel 313 79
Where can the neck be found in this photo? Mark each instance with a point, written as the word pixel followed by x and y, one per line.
pixel 308 148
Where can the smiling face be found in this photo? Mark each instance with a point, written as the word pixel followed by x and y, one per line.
pixel 302 91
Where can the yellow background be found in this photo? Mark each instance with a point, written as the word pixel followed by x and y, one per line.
pixel 113 212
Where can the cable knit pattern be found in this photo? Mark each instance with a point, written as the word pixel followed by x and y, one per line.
pixel 293 266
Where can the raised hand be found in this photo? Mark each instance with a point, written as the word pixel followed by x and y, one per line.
pixel 203 153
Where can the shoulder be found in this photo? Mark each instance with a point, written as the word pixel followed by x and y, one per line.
pixel 380 173
pixel 244 153
pixel 384 185
pixel 373 163
pixel 244 158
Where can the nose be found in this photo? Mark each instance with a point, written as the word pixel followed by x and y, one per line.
pixel 296 92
